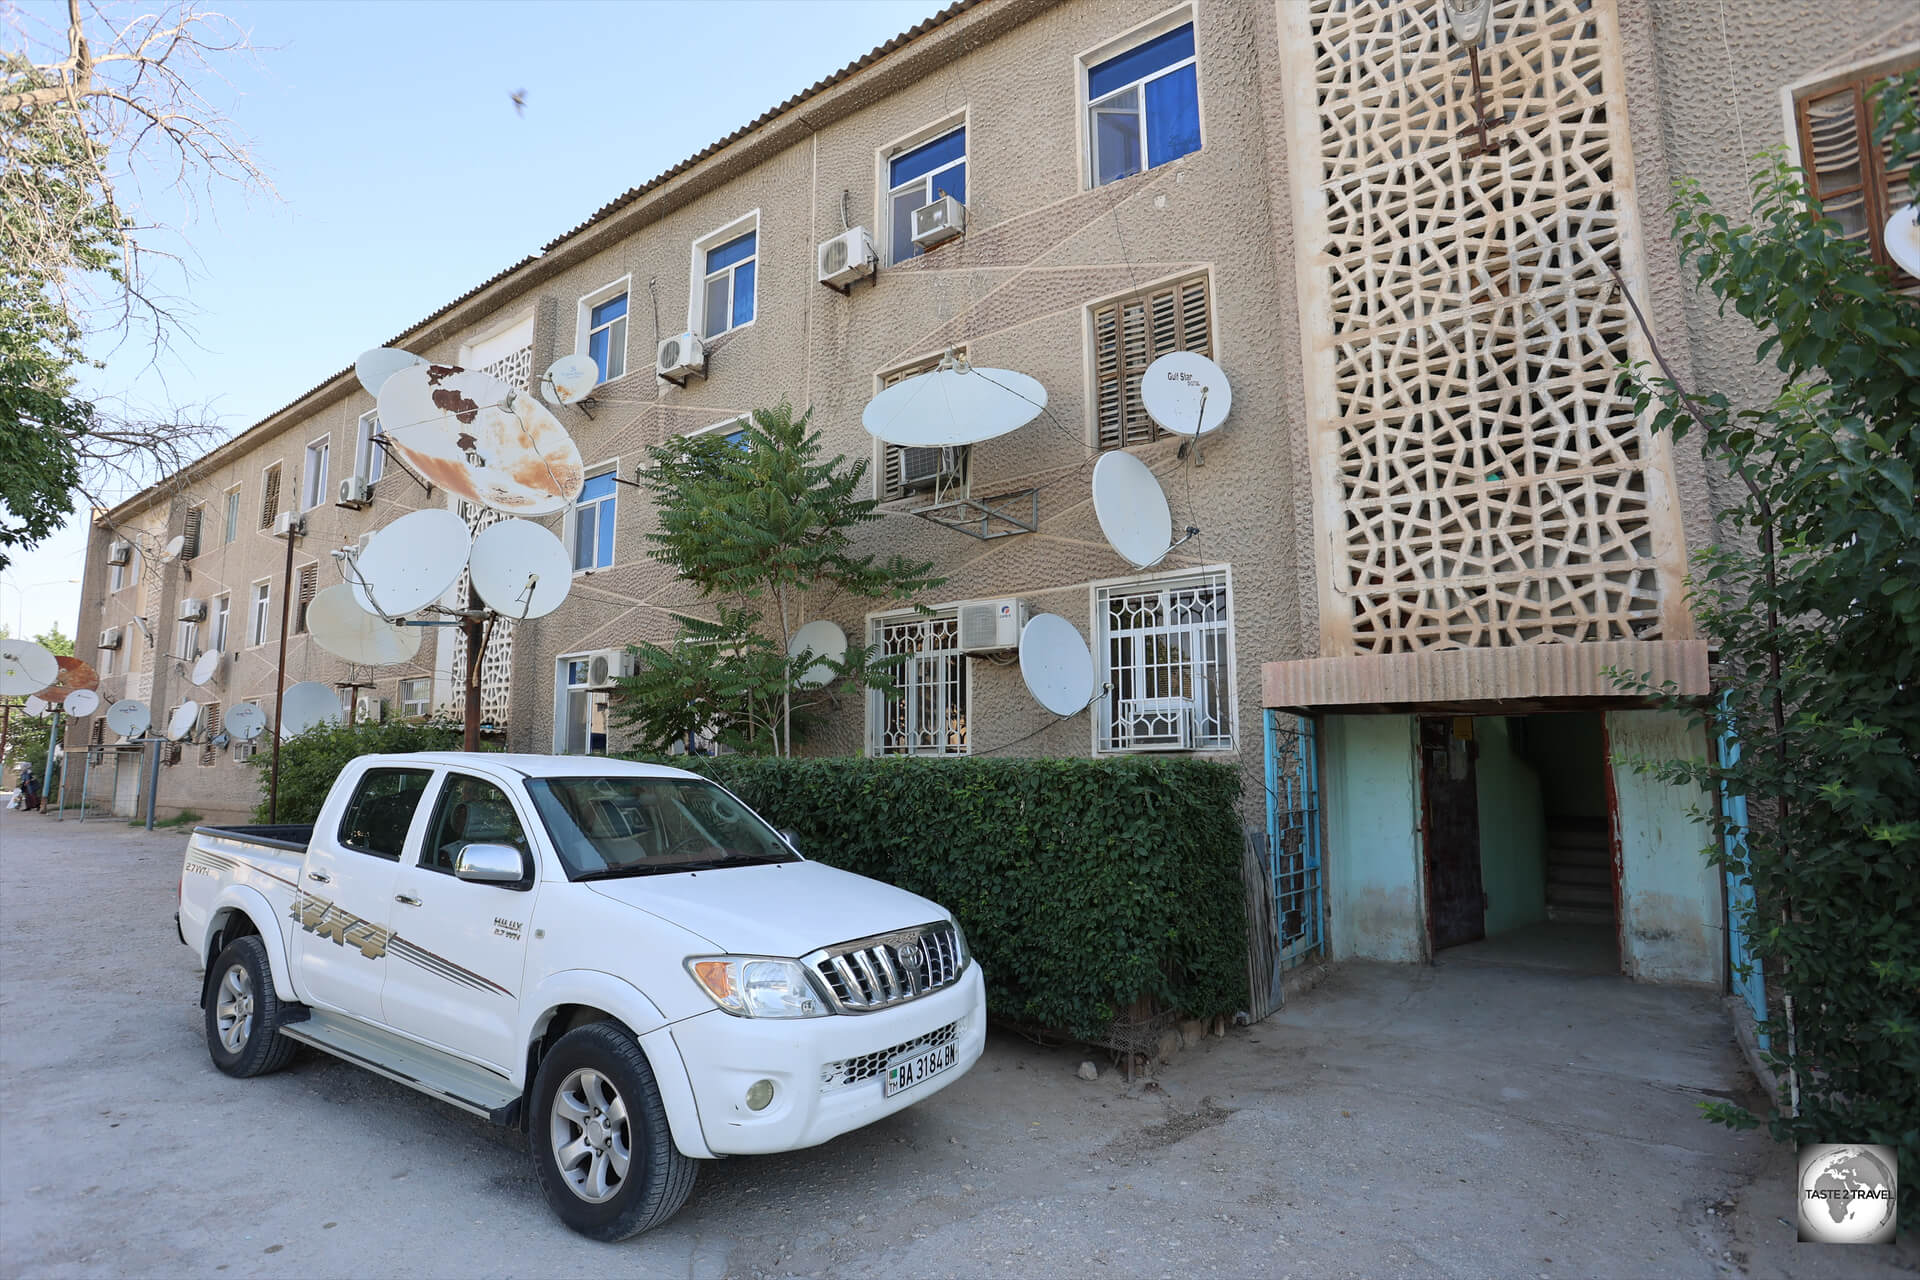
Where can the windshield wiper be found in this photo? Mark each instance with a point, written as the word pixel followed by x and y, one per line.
pixel 697 864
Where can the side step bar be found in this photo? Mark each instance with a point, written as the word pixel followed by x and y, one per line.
pixel 432 1072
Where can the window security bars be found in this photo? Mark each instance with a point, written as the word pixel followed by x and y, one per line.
pixel 1164 649
pixel 927 716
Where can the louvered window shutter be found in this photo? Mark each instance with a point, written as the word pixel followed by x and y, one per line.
pixel 207 753
pixel 1853 180
pixel 1131 333
pixel 888 486
pixel 309 583
pixel 270 497
pixel 192 531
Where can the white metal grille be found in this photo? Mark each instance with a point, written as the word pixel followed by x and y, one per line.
pixel 928 715
pixel 1165 648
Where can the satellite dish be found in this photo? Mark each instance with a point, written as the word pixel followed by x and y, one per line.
pixel 183 720
pixel 339 625
pixel 1903 238
pixel 1055 663
pixel 245 721
pixel 1186 393
pixel 411 563
pixel 954 404
pixel 479 439
pixel 520 569
pixel 570 379
pixel 25 667
pixel 307 704
pixel 1132 509
pixel 206 666
pixel 374 367
pixel 175 545
pixel 82 702
pixel 828 643
pixel 129 717
pixel 35 706
pixel 74 674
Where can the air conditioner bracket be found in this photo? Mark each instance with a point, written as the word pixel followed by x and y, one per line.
pixel 986 518
pixel 846 290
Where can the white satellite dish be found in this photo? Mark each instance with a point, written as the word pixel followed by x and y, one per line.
pixel 410 563
pixel 1903 238
pixel 1186 393
pixel 245 721
pixel 480 439
pixel 828 643
pixel 183 720
pixel 1056 664
pixel 206 666
pixel 82 702
pixel 570 379
pixel 35 706
pixel 374 367
pixel 175 545
pixel 954 404
pixel 520 569
pixel 129 717
pixel 307 704
pixel 1132 509
pixel 26 667
pixel 339 625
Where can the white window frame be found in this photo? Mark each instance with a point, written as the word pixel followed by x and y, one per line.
pixel 725 427
pixel 117 573
pixel 369 459
pixel 222 615
pixel 1098 594
pixel 583 323
pixel 259 612
pixel 884 157
pixel 570 530
pixel 232 514
pixel 697 290
pixel 876 701
pixel 314 478
pixel 425 702
pixel 1159 25
pixel 562 692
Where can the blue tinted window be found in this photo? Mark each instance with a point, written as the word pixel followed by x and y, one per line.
pixel 1173 115
pixel 605 542
pixel 600 486
pixel 612 309
pixel 742 294
pixel 952 182
pixel 583 537
pixel 1140 61
pixel 738 439
pixel 926 158
pixel 729 253
pixel 597 348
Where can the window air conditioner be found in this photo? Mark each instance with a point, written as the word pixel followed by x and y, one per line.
pixel 367 707
pixel 988 626
pixel 938 222
pixel 287 523
pixel 192 610
pixel 1155 724
pixel 110 638
pixel 847 257
pixel 355 492
pixel 680 357
pixel 119 552
pixel 604 666
pixel 926 468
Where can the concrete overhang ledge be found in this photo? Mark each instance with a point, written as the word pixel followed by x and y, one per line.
pixel 1518 678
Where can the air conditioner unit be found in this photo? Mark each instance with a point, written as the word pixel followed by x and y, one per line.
pixel 192 610
pixel 110 638
pixel 680 357
pixel 1155 724
pixel 355 492
pixel 987 626
pixel 119 552
pixel 366 707
pixel 938 222
pixel 607 665
pixel 847 257
pixel 287 523
pixel 926 468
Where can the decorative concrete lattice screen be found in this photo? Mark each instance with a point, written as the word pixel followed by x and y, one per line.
pixel 496 664
pixel 1478 480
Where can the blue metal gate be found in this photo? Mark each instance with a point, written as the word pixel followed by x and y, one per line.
pixel 1293 834
pixel 1749 983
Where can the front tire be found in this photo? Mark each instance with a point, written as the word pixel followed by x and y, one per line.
pixel 601 1147
pixel 243 1015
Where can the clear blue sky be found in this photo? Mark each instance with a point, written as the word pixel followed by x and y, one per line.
pixel 406 177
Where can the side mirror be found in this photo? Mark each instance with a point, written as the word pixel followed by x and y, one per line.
pixel 489 864
pixel 792 838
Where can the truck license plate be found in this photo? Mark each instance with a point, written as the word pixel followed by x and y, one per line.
pixel 905 1073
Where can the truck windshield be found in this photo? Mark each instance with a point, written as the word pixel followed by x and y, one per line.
pixel 628 826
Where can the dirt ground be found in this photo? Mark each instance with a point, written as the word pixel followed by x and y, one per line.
pixel 1451 1121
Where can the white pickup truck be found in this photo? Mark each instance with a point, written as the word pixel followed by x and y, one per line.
pixel 621 958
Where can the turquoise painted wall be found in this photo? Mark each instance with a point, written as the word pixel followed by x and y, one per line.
pixel 1373 824
pixel 1672 913
pixel 1513 830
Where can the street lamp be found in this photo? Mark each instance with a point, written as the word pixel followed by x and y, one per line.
pixel 20 601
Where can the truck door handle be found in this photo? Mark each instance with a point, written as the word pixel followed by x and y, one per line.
pixel 321 876
pixel 410 901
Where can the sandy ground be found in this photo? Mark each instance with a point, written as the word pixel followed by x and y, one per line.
pixel 1452 1121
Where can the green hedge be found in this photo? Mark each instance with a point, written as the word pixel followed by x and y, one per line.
pixel 1082 884
pixel 310 761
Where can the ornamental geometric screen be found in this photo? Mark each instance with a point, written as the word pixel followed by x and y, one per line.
pixel 1480 479
pixel 496 662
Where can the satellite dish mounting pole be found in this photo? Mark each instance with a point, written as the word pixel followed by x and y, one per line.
pixel 470 677
pixel 279 679
pixel 6 723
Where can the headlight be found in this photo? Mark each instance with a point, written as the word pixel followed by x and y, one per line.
pixel 751 987
pixel 960 942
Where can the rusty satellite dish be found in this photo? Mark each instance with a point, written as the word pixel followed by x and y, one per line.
pixel 374 367
pixel 480 439
pixel 74 674
pixel 25 667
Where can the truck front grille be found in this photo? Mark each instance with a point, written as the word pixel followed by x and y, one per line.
pixel 876 973
pixel 851 1071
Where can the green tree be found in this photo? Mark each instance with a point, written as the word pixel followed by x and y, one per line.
pixel 763 528
pixel 29 736
pixel 1814 607
pixel 312 759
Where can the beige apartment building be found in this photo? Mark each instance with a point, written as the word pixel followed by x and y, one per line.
pixel 1429 525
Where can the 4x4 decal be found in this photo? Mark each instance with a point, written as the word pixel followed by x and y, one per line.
pixel 325 919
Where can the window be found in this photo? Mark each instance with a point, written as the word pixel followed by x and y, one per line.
pixel 257 620
pixel 592 521
pixel 580 728
pixel 244 750
pixel 890 481
pixel 233 515
pixel 308 582
pixel 919 177
pixel 210 717
pixel 117 574
pixel 196 516
pixel 416 697
pixel 381 811
pixel 607 335
pixel 1129 334
pixel 927 714
pixel 726 289
pixel 369 459
pixel 1855 182
pixel 1143 106
pixel 316 492
pixel 270 496
pixel 1164 646
pixel 222 606
pixel 473 811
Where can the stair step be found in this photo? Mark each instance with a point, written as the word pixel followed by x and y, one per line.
pixel 1570 873
pixel 1580 895
pixel 442 1075
pixel 1579 915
